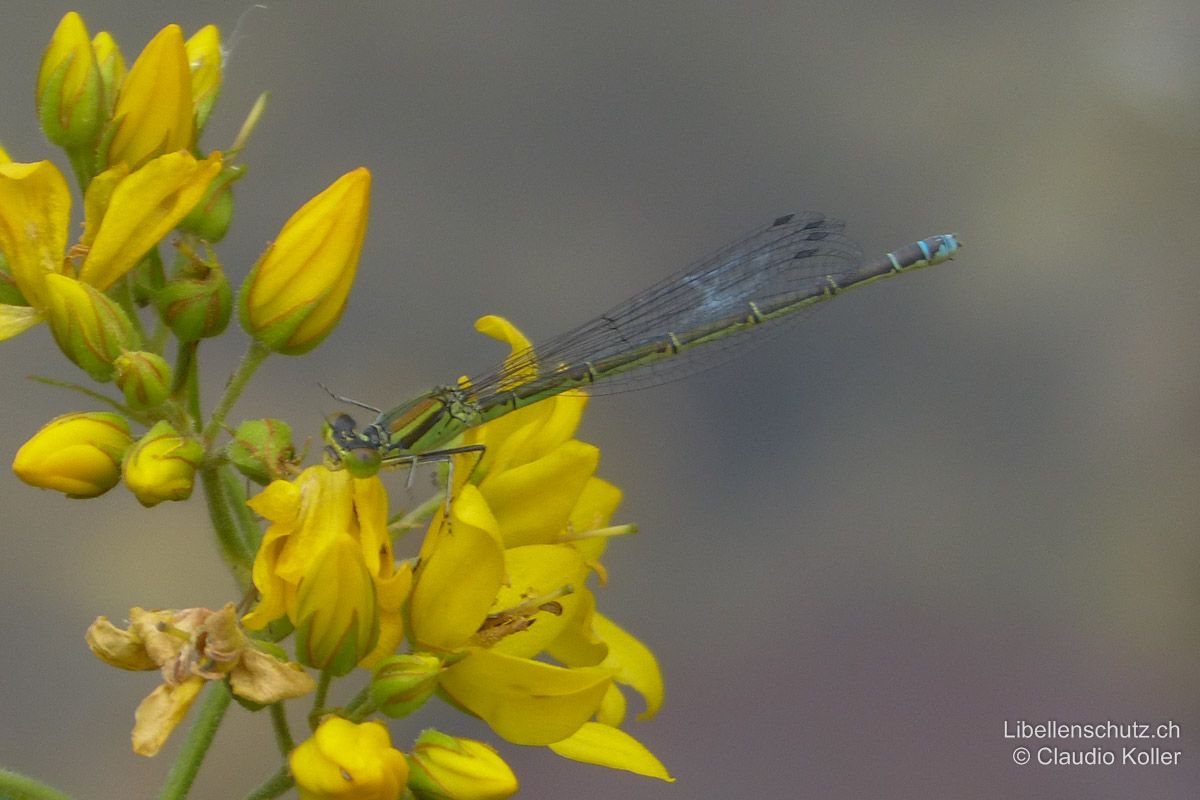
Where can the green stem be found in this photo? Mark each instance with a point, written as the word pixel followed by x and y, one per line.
pixel 362 712
pixel 417 517
pixel 322 690
pixel 19 787
pixel 185 368
pixel 351 709
pixel 122 292
pixel 200 737
pixel 75 387
pixel 82 164
pixel 233 390
pixel 243 517
pixel 283 733
pixel 273 786
pixel 230 539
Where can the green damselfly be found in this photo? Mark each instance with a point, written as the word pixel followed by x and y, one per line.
pixel 762 279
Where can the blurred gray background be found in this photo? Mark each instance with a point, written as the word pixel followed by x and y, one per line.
pixel 957 499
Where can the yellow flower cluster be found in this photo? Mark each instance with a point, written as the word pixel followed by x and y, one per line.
pixel 494 614
pixel 499 618
pixel 131 136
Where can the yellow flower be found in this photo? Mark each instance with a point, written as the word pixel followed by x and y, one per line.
pixel 70 94
pixel 345 761
pixel 153 113
pixel 502 586
pixel 77 454
pixel 326 563
pixel 189 647
pixel 141 210
pixel 162 466
pixel 125 214
pixel 450 768
pixel 204 56
pixel 462 608
pixel 297 291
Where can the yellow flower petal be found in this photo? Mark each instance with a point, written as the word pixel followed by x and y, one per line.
pixel 519 362
pixel 160 712
pixel 459 577
pixel 142 210
pixel 35 209
pixel 529 433
pixel 526 702
pixel 612 710
pixel 96 199
pixel 393 592
pixel 279 502
pixel 17 319
pixel 633 663
pixel 153 113
pixel 577 645
pixel 556 481
pixel 536 571
pixel 609 747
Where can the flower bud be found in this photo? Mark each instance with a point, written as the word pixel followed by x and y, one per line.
pixel 162 466
pixel 153 112
pixel 145 378
pixel 211 217
pixel 204 57
pixel 297 291
pixel 90 329
pixel 337 609
pixel 112 68
pixel 344 760
pixel 445 767
pixel 197 304
pixel 70 95
pixel 403 683
pixel 262 450
pixel 76 454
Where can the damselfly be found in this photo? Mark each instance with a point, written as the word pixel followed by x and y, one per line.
pixel 760 280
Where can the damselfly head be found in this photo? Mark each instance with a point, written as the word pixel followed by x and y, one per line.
pixel 348 449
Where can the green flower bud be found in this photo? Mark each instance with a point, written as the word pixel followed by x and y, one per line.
pixel 112 67
pixel 162 466
pixel 197 304
pixel 205 57
pixel 443 767
pixel 211 217
pixel 402 684
pixel 90 329
pixel 262 450
pixel 70 95
pixel 145 378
